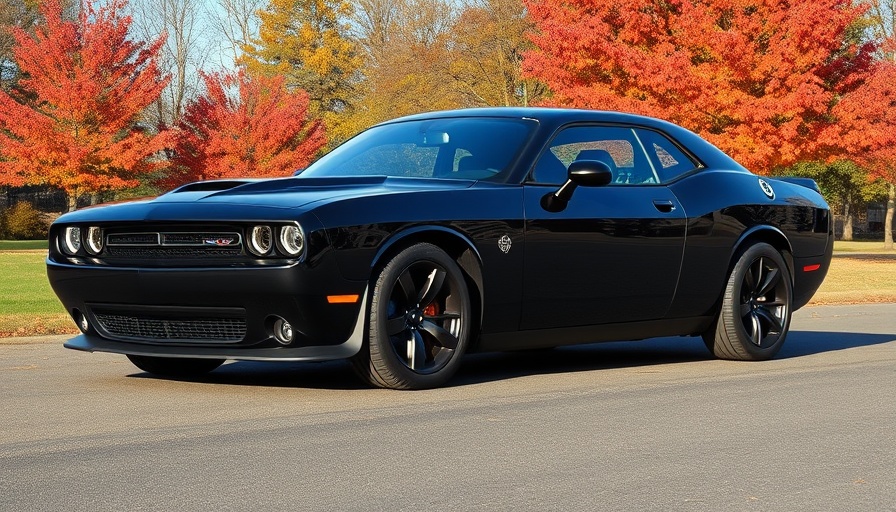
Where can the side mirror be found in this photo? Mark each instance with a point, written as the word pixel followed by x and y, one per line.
pixel 588 173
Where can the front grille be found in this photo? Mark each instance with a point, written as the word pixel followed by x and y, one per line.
pixel 176 238
pixel 197 243
pixel 156 252
pixel 133 327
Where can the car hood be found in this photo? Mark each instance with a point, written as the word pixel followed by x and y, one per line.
pixel 249 198
pixel 299 192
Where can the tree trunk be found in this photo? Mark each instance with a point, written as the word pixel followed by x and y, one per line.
pixel 888 222
pixel 847 222
pixel 72 201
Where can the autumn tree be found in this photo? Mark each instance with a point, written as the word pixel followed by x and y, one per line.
pixel 866 129
pixel 487 45
pixel 245 126
pixel 406 49
pixel 757 78
pixel 307 42
pixel 422 55
pixel 23 14
pixel 71 121
pixel 882 18
pixel 13 14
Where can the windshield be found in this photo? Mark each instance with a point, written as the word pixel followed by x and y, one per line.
pixel 474 148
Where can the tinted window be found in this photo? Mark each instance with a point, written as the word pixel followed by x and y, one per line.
pixel 617 147
pixel 668 160
pixel 463 148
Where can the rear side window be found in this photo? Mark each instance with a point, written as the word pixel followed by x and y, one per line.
pixel 667 159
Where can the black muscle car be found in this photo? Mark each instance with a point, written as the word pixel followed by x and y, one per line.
pixel 434 235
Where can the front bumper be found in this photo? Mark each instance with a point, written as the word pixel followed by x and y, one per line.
pixel 254 296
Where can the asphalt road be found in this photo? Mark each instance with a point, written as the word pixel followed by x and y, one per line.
pixel 653 425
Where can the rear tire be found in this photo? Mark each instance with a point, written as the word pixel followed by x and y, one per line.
pixel 755 315
pixel 419 321
pixel 175 366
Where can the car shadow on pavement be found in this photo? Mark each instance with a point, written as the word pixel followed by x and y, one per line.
pixel 497 366
pixel 480 368
pixel 804 343
pixel 335 375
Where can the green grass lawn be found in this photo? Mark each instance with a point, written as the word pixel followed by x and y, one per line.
pixel 27 304
pixel 19 245
pixel 863 246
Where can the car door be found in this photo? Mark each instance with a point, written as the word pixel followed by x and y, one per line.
pixel 613 254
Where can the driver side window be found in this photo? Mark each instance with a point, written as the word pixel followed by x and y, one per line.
pixel 616 147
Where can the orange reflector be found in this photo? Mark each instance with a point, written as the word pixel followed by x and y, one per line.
pixel 342 299
pixel 811 268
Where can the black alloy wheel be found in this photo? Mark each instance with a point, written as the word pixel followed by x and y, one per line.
pixel 756 308
pixel 419 321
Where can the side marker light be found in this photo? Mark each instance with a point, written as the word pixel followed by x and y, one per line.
pixel 811 268
pixel 342 299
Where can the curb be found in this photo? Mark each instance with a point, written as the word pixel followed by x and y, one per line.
pixel 35 340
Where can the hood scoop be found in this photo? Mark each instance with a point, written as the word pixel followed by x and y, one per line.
pixel 301 184
pixel 210 186
pixel 249 186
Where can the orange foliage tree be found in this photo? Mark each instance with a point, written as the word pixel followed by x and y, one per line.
pixel 245 127
pixel 758 78
pixel 71 121
pixel 866 131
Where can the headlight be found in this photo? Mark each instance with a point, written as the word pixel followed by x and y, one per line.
pixel 94 240
pixel 292 241
pixel 71 240
pixel 261 239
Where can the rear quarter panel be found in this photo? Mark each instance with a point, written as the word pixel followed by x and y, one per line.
pixel 726 207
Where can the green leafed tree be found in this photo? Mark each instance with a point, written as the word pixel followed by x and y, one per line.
pixel 19 14
pixel 845 184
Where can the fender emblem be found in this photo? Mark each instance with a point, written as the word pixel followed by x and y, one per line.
pixel 766 188
pixel 504 243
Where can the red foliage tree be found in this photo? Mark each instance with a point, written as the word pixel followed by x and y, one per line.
pixel 71 122
pixel 245 127
pixel 866 131
pixel 758 78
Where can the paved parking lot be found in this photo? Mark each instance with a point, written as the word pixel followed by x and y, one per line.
pixel 654 425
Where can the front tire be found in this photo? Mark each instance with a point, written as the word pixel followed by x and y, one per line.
pixel 755 315
pixel 419 321
pixel 175 366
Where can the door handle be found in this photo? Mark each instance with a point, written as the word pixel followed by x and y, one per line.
pixel 664 206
